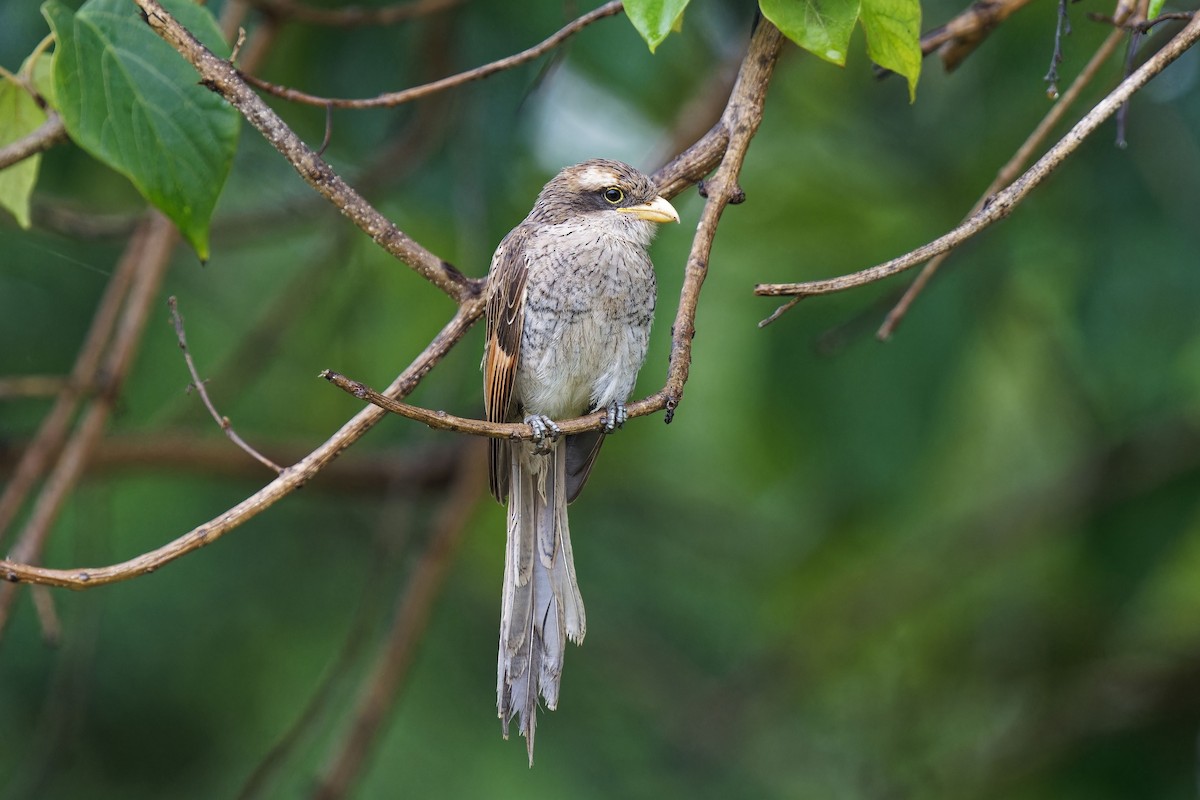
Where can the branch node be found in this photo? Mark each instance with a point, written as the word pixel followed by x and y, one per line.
pixel 237 46
pixel 672 404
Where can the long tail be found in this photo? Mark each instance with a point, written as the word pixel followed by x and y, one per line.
pixel 541 599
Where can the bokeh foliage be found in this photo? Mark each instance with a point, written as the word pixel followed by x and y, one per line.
pixel 962 564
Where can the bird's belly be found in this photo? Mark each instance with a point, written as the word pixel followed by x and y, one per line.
pixel 587 357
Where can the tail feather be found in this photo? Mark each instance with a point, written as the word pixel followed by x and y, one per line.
pixel 541 606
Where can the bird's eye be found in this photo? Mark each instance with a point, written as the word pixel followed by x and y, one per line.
pixel 613 195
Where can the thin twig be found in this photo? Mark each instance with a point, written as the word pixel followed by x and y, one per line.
pixel 960 36
pixel 390 99
pixel 1135 41
pixel 386 677
pixel 221 420
pixel 1062 28
pixel 1003 203
pixel 442 420
pixel 1005 176
pixel 42 138
pixel 220 76
pixel 350 16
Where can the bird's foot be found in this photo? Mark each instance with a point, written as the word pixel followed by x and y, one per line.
pixel 545 432
pixel 615 416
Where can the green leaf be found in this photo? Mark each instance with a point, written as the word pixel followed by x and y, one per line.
pixel 1155 8
pixel 654 19
pixel 822 27
pixel 20 115
pixel 129 99
pixel 893 29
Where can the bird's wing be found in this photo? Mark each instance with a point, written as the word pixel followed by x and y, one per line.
pixel 505 316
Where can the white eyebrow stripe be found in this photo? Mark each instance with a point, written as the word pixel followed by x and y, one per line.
pixel 597 178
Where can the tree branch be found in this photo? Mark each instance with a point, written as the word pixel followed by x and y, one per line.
pixel 221 76
pixel 45 136
pixel 407 95
pixel 1003 203
pixel 959 37
pixel 442 420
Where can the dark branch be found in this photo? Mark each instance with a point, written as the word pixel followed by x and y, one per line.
pixel 408 95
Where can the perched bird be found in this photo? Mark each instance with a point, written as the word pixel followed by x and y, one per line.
pixel 570 300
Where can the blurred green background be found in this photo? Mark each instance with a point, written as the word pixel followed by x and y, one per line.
pixel 962 564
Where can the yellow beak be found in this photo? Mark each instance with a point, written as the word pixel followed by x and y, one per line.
pixel 657 210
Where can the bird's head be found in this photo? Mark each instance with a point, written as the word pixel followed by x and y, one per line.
pixel 604 192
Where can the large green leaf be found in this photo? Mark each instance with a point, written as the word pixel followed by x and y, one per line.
pixel 129 99
pixel 893 29
pixel 822 27
pixel 20 115
pixel 654 19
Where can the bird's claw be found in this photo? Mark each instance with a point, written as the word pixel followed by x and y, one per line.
pixel 545 432
pixel 615 417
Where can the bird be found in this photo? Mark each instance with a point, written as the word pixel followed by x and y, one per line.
pixel 570 301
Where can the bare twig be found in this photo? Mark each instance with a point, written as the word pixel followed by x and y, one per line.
pixel 223 421
pixel 1062 28
pixel 45 136
pixel 408 95
pixel 1003 203
pixel 959 37
pixel 220 76
pixel 350 16
pixel 386 677
pixel 498 430
pixel 1007 174
pixel 291 479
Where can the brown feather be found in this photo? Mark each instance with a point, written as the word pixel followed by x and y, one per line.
pixel 505 316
